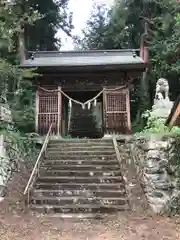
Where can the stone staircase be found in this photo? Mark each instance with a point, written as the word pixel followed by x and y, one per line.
pixel 80 178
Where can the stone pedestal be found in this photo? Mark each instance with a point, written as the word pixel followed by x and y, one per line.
pixel 161 108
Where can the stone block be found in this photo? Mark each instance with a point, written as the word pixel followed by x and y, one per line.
pixel 153 154
pixel 5 114
pixel 161 108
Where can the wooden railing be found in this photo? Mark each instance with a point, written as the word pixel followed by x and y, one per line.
pixel 35 170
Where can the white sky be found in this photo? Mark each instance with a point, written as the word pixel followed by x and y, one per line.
pixel 81 11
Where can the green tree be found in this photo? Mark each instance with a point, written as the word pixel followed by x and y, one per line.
pixel 42 35
pixel 15 15
pixel 124 27
pixel 14 87
pixel 96 35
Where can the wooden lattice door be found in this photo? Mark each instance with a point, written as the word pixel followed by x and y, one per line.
pixel 117 111
pixel 48 111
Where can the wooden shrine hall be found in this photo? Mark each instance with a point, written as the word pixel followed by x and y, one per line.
pixel 85 93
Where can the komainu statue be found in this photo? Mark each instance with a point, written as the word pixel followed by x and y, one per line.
pixel 162 89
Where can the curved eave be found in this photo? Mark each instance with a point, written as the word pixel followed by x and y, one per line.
pixel 70 68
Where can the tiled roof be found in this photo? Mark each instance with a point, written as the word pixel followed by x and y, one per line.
pixel 83 58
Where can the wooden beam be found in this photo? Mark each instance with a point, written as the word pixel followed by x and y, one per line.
pixel 175 116
pixel 105 75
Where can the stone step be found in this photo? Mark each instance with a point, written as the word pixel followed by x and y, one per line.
pixel 75 216
pixel 78 200
pixel 79 186
pixel 51 162
pixel 79 144
pixel 66 179
pixel 61 152
pixel 80 192
pixel 79 167
pixel 80 148
pixel 83 209
pixel 48 172
pixel 80 157
pixel 81 141
pixel 79 177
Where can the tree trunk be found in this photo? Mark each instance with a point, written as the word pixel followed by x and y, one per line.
pixel 21 47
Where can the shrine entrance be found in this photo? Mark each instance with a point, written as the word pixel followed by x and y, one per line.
pixel 104 113
pixel 82 121
pixel 110 73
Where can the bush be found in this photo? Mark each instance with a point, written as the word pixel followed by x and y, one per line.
pixel 156 125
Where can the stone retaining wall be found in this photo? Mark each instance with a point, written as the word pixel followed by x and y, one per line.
pixel 157 171
pixel 8 158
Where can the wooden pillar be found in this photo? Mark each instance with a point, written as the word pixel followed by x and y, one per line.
pixel 104 112
pixel 59 111
pixel 36 111
pixel 128 112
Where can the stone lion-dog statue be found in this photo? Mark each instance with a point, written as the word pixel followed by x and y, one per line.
pixel 162 89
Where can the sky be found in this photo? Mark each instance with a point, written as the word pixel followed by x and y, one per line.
pixel 81 11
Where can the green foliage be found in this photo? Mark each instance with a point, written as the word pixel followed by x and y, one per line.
pixel 38 21
pixel 155 125
pixel 68 136
pixel 122 27
pixel 14 16
pixel 16 89
pixel 96 35
pixel 20 146
pixel 18 94
pixel 56 16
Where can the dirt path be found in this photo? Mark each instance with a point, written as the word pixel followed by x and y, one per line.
pixel 16 222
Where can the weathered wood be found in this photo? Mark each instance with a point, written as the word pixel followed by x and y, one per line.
pixel 116 111
pixel 84 81
pixel 48 112
pixel 37 112
pixel 116 104
pixel 175 120
pixel 36 166
pixel 128 112
pixel 59 111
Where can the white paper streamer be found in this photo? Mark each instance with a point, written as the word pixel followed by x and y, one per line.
pixel 70 103
pixel 95 102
